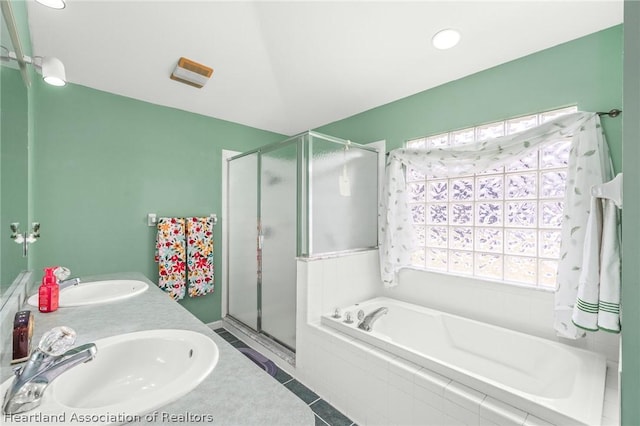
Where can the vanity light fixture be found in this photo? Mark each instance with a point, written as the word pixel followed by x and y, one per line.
pixel 52 68
pixel 53 71
pixel 54 4
pixel 445 39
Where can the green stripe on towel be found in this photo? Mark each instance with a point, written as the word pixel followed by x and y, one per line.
pixel 583 327
pixel 609 330
pixel 587 307
pixel 587 304
pixel 613 308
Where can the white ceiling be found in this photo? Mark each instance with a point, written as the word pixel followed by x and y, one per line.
pixel 290 66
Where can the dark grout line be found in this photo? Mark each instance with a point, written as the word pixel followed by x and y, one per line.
pixel 314 401
pixel 321 419
pixel 326 411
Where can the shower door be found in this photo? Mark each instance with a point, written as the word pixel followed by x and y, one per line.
pixel 278 237
pixel 242 226
pixel 262 241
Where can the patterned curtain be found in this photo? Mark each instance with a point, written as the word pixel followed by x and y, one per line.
pixel 589 164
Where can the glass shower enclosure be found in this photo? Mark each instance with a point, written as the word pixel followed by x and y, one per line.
pixel 307 196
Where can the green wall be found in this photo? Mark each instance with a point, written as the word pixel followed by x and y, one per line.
pixel 630 230
pixel 13 171
pixel 15 141
pixel 101 162
pixel 586 72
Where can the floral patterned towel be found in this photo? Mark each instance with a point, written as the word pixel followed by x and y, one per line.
pixel 171 256
pixel 200 255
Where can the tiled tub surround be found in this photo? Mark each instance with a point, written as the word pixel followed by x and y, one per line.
pixel 237 392
pixel 375 387
pixel 554 381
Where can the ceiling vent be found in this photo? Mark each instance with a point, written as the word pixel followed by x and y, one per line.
pixel 191 73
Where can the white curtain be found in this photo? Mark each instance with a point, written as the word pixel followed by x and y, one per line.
pixel 589 164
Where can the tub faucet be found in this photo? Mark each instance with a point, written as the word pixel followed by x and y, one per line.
pixel 367 322
pixel 48 361
pixel 68 283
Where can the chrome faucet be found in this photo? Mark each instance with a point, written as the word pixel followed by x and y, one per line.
pixel 68 283
pixel 369 319
pixel 48 361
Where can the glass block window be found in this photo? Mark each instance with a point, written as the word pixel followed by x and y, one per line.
pixel 501 224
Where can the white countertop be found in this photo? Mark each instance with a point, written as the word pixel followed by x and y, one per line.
pixel 237 392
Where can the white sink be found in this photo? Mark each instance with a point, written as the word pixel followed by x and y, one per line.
pixel 94 292
pixel 131 375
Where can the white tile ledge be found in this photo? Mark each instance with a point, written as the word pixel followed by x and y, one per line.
pixel 336 255
pixel 432 381
pixel 532 420
pixel 501 413
pixel 464 396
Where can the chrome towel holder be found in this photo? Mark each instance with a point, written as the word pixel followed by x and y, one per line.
pixel 152 219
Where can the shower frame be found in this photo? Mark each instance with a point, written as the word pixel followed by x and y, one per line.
pixel 304 214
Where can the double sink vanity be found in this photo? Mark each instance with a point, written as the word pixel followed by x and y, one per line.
pixel 154 363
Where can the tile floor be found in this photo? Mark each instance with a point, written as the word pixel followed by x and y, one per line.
pixel 325 414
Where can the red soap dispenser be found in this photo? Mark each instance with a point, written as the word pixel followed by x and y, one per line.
pixel 48 292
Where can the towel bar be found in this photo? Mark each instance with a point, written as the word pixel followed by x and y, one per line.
pixel 152 219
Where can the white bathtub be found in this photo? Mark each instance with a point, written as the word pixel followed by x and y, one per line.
pixel 553 381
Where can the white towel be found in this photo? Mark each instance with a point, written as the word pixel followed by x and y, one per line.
pixel 598 303
pixel 609 304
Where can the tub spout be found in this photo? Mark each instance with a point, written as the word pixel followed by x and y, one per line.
pixel 367 322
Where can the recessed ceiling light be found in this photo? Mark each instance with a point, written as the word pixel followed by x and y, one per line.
pixel 55 4
pixel 445 39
